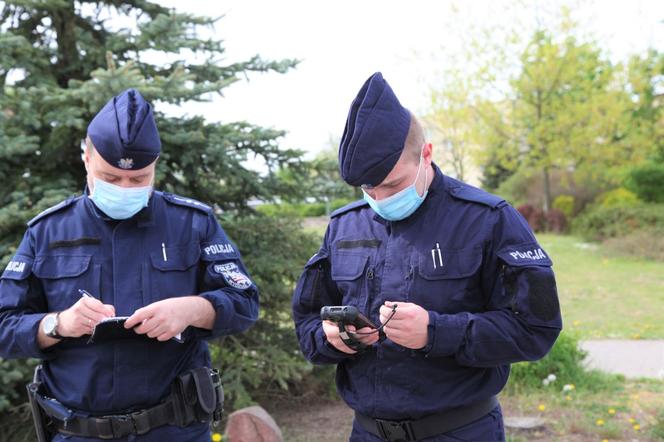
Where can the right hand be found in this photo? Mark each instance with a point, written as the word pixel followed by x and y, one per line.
pixel 332 334
pixel 81 318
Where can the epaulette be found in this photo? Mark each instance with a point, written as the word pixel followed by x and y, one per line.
pixel 61 205
pixel 467 192
pixel 348 207
pixel 186 202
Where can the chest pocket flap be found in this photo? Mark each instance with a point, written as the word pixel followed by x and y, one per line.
pixel 60 266
pixel 348 267
pixel 177 258
pixel 449 264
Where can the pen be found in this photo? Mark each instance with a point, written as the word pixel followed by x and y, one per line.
pixel 85 293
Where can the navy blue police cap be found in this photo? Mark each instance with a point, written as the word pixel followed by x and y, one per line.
pixel 375 133
pixel 124 132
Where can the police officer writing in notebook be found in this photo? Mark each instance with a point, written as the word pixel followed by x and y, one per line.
pixel 454 275
pixel 124 249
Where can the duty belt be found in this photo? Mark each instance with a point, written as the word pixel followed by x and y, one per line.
pixel 191 400
pixel 428 426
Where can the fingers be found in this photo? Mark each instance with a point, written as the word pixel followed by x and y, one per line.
pixel 140 316
pixel 96 306
pixel 331 331
pixel 81 318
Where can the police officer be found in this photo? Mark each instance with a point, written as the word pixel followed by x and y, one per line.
pixel 452 275
pixel 123 249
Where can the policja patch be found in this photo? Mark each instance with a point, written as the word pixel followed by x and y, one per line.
pixel 233 275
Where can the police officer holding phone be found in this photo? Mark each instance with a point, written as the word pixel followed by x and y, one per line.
pixel 159 260
pixel 452 274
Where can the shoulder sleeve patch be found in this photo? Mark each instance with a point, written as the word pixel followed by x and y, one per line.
pixel 53 209
pixel 18 268
pixel 467 192
pixel 527 254
pixel 348 207
pixel 221 249
pixel 186 202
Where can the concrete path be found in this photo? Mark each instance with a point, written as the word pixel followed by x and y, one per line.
pixel 632 358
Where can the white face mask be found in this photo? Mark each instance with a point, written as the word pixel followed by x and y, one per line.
pixel 119 202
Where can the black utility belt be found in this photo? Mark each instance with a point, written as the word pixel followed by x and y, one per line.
pixel 196 396
pixel 428 426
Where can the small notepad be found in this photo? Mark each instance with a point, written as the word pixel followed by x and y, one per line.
pixel 113 328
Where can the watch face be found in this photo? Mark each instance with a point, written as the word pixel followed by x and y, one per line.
pixel 50 323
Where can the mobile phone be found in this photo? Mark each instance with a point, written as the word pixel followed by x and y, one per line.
pixel 346 314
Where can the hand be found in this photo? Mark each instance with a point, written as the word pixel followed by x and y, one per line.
pixel 408 326
pixel 81 318
pixel 332 334
pixel 166 318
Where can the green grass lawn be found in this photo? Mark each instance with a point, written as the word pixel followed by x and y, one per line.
pixel 604 295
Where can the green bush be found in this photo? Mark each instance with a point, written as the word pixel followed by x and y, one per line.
pixel 645 243
pixel 599 223
pixel 564 203
pixel 647 182
pixel 565 362
pixel 617 198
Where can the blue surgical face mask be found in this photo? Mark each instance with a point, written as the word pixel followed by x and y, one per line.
pixel 400 205
pixel 119 202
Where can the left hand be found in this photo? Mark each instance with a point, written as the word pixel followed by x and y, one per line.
pixel 408 327
pixel 166 318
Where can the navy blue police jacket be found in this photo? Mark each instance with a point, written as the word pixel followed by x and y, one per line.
pixel 465 256
pixel 174 247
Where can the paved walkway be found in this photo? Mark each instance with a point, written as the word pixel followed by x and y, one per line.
pixel 632 358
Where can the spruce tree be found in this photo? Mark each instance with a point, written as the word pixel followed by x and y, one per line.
pixel 61 60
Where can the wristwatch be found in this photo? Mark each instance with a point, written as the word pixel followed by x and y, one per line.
pixel 50 325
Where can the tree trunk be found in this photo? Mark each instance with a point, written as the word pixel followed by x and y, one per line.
pixel 547 190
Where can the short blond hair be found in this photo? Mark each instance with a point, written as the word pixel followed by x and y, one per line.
pixel 414 140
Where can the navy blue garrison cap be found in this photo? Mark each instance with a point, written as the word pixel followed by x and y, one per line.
pixel 124 132
pixel 375 134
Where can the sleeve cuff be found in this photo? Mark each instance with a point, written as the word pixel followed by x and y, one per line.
pixel 328 350
pixel 446 333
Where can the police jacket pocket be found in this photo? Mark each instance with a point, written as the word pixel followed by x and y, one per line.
pixel 175 258
pixel 173 272
pixel 63 275
pixel 348 267
pixel 449 264
pixel 57 267
pixel 448 282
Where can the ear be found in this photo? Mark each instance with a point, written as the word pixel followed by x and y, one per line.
pixel 427 153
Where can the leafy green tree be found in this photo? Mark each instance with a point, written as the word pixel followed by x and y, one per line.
pixel 61 60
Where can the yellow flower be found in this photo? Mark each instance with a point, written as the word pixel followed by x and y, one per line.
pixel 568 398
pixel 636 427
pixel 576 323
pixel 216 437
pixel 631 420
pixel 599 422
pixel 612 411
pixel 541 407
pixel 605 440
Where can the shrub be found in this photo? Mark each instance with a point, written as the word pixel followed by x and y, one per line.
pixel 646 243
pixel 647 182
pixel 617 198
pixel 565 361
pixel 600 223
pixel 533 215
pixel 556 221
pixel 564 203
